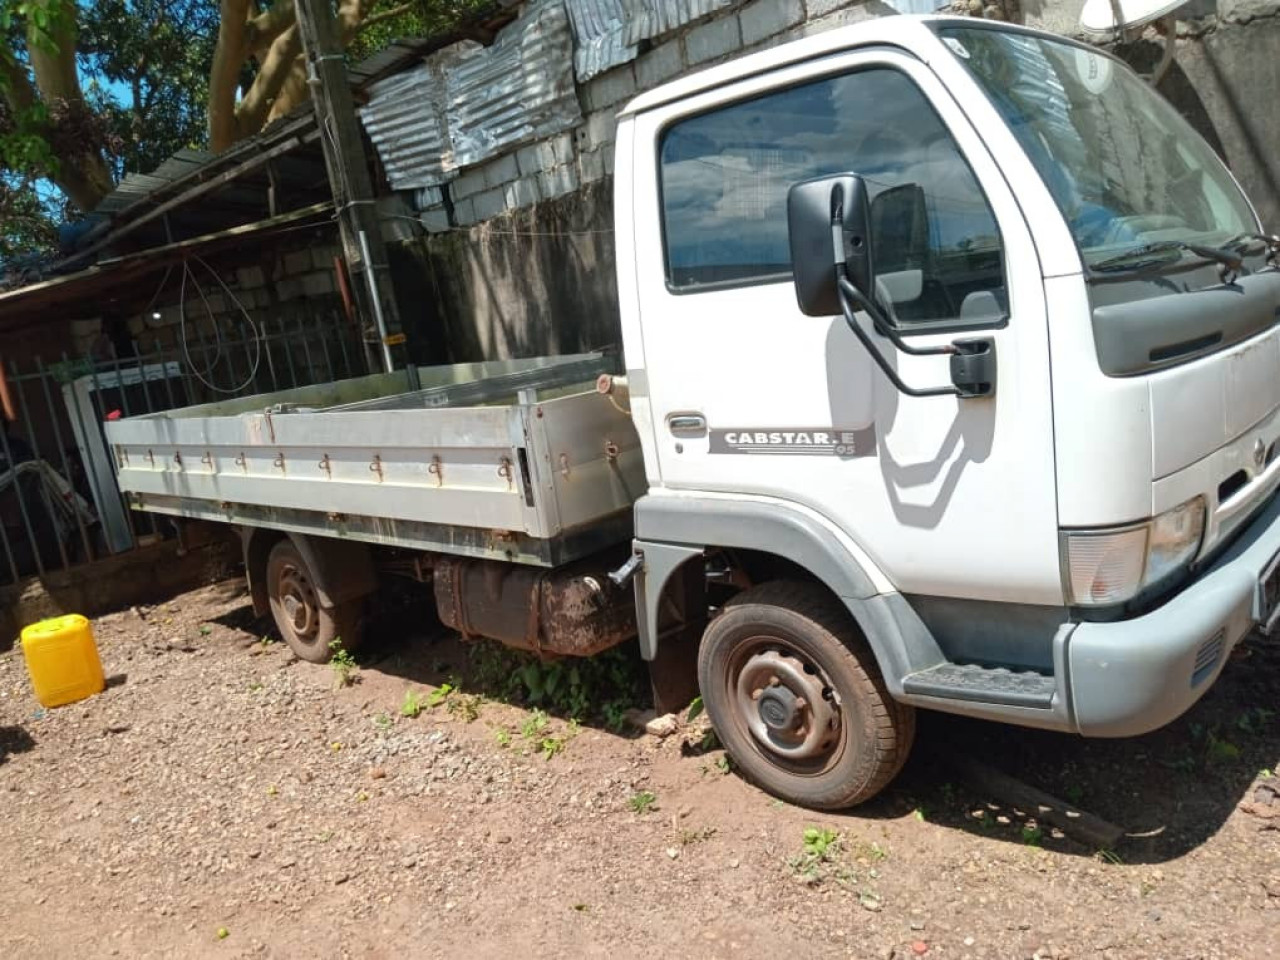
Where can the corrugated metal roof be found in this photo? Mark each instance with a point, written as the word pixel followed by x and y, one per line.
pixel 653 18
pixel 518 89
pixel 600 29
pixel 405 120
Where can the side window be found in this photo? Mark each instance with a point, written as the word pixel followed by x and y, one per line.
pixel 725 176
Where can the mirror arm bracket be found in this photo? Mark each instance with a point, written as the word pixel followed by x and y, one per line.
pixel 973 360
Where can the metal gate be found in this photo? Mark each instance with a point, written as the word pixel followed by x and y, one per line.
pixel 59 506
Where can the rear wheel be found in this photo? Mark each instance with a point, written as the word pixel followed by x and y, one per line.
pixel 306 626
pixel 797 699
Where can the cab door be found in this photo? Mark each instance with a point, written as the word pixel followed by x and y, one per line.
pixel 750 397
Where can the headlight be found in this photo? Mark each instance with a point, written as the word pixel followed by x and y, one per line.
pixel 1110 566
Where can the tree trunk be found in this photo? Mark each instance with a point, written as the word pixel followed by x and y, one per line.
pixel 229 55
pixel 83 176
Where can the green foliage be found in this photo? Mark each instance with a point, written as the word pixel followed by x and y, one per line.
pixel 146 64
pixel 342 663
pixel 695 710
pixel 535 730
pixel 424 18
pixel 465 707
pixel 440 694
pixel 602 687
pixel 411 705
pixel 820 842
pixel 642 802
pixel 818 849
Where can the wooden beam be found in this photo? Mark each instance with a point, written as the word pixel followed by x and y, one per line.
pixel 199 190
pixel 1084 827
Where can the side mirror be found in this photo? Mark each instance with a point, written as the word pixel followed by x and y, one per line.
pixel 831 227
pixel 900 225
pixel 824 215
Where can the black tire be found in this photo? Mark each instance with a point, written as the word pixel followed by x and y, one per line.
pixel 770 647
pixel 307 626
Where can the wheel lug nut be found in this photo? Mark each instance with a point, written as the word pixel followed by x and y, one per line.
pixel 774 681
pixel 801 703
pixel 757 694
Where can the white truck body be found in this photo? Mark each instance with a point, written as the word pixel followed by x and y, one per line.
pixel 1075 544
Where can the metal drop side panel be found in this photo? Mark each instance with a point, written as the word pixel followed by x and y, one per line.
pixel 539 480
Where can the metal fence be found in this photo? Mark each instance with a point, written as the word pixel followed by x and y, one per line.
pixel 59 505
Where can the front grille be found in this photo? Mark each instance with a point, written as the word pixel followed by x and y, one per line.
pixel 1207 658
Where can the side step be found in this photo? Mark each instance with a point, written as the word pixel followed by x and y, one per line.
pixel 956 681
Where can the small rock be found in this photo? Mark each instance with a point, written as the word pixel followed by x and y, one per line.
pixel 917 925
pixel 377 773
pixel 673 852
pixel 341 879
pixel 919 948
pixel 969 941
pixel 663 726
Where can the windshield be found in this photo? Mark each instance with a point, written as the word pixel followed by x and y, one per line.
pixel 1125 169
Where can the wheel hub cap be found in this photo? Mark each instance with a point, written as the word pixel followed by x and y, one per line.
pixel 298 600
pixel 787 705
pixel 778 709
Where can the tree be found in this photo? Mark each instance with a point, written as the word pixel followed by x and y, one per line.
pixel 266 37
pixel 91 89
pixel 46 127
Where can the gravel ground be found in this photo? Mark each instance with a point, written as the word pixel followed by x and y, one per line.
pixel 223 799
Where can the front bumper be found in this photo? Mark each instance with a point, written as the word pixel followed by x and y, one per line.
pixel 1132 676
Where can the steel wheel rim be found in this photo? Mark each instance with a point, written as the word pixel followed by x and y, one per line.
pixel 785 705
pixel 298 602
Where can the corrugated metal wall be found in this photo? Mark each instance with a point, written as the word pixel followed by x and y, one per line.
pixel 647 19
pixel 471 103
pixel 405 121
pixel 600 29
pixel 519 89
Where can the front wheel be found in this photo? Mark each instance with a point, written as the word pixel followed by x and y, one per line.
pixel 306 626
pixel 797 699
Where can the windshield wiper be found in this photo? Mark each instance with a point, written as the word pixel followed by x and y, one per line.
pixel 1270 244
pixel 1149 255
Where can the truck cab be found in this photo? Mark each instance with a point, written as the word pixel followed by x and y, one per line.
pixel 954 347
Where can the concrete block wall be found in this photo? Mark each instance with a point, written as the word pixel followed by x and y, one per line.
pixel 283 289
pixel 549 169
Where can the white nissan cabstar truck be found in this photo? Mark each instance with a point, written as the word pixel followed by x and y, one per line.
pixel 952 381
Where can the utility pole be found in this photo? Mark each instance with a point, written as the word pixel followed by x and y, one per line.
pixel 344 158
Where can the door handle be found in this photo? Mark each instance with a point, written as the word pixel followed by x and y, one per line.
pixel 687 424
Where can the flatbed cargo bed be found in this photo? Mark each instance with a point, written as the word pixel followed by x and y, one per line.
pixel 518 460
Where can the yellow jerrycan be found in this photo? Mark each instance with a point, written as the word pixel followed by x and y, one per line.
pixel 62 660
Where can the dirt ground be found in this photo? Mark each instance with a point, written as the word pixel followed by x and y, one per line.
pixel 223 799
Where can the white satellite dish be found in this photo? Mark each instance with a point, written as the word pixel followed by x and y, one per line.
pixel 1116 18
pixel 1099 16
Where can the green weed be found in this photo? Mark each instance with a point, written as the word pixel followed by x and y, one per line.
pixel 465 707
pixel 412 704
pixel 642 802
pixel 439 695
pixel 342 664
pixel 819 846
pixel 602 687
pixel 382 721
